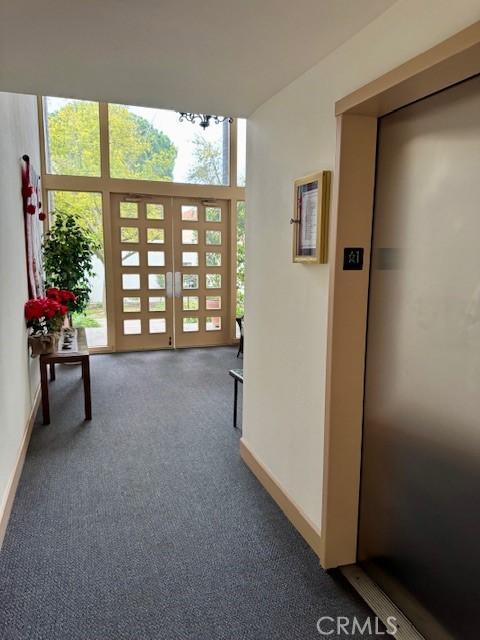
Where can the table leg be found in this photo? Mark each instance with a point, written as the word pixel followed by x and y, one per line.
pixel 235 403
pixel 44 385
pixel 86 387
pixel 52 371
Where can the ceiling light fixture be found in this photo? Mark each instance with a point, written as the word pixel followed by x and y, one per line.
pixel 204 119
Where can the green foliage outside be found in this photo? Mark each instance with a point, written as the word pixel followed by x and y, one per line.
pixel 241 216
pixel 91 317
pixel 138 150
pixel 68 253
pixel 208 167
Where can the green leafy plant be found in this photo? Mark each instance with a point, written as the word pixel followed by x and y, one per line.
pixel 68 252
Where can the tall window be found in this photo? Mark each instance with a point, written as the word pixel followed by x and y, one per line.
pixel 152 144
pixel 144 145
pixel 72 137
pixel 86 208
pixel 241 151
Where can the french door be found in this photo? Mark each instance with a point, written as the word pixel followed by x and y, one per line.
pixel 171 272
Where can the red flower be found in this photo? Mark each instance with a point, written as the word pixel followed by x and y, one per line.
pixel 39 310
pixel 53 293
pixel 27 191
pixel 31 209
pixel 33 309
pixel 65 296
pixel 42 216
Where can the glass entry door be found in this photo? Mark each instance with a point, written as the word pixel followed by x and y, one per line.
pixel 171 272
pixel 201 284
pixel 143 266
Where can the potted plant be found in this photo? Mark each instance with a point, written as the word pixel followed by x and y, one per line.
pixel 68 252
pixel 45 317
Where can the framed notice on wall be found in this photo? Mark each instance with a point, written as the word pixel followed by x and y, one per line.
pixel 310 218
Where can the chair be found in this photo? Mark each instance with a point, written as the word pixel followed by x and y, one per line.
pixel 240 344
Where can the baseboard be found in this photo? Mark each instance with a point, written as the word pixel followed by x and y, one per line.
pixel 9 497
pixel 294 513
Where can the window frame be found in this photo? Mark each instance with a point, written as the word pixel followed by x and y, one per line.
pixel 108 186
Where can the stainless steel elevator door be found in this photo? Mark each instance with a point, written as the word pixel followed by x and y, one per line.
pixel 419 534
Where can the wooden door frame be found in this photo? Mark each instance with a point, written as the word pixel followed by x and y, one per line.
pixel 446 64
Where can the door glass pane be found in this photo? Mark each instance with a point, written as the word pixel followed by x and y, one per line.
pixel 129 234
pixel 130 258
pixel 190 303
pixel 156 303
pixel 156 281
pixel 157 325
pixel 190 281
pixel 189 236
pixel 132 327
pixel 241 151
pixel 72 137
pixel 213 323
pixel 130 281
pixel 86 208
pixel 213 280
pixel 131 305
pixel 152 144
pixel 155 211
pixel 213 259
pixel 128 210
pixel 190 258
pixel 156 258
pixel 213 214
pixel 189 212
pixel 156 236
pixel 213 237
pixel 190 324
pixel 213 302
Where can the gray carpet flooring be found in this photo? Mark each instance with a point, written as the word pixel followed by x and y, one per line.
pixel 145 524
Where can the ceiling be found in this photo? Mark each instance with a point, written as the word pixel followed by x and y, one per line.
pixel 212 56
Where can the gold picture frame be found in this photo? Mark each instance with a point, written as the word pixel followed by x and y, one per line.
pixel 310 218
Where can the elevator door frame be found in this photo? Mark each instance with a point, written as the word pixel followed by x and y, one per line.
pixel 446 64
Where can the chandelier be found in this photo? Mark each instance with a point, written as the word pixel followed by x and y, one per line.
pixel 204 119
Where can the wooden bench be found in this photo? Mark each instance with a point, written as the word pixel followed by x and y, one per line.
pixel 72 348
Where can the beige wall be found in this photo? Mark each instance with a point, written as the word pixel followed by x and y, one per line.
pixel 19 377
pixel 291 135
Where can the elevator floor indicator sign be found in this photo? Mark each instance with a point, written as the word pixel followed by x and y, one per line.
pixel 353 259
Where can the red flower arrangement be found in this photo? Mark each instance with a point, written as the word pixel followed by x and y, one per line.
pixel 64 297
pixel 46 315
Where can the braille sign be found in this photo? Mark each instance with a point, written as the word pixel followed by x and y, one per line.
pixel 353 259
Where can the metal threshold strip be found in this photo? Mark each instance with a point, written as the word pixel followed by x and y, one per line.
pixel 380 604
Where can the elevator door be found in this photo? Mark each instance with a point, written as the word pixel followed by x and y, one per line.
pixel 420 488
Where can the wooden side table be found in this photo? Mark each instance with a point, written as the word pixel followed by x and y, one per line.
pixel 78 353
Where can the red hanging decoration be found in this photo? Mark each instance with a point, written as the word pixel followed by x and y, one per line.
pixel 31 191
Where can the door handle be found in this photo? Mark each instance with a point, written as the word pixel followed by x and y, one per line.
pixel 169 284
pixel 178 284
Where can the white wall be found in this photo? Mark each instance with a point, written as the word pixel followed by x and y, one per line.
pixel 19 375
pixel 291 135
